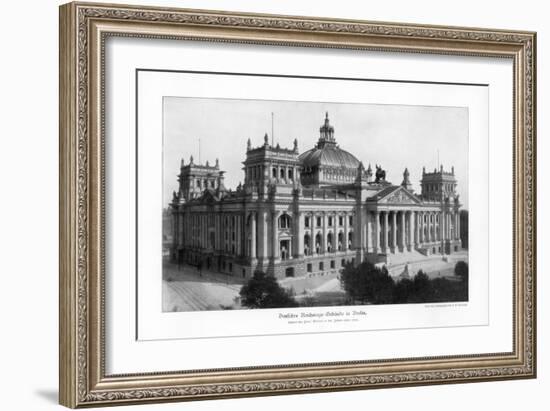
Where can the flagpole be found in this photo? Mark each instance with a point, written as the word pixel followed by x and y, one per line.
pixel 272 130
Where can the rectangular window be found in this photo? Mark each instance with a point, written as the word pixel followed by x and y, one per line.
pixel 343 264
pixel 332 264
pixel 321 266
pixel 306 222
pixel 230 267
pixel 340 220
pixel 309 268
pixel 318 221
pixel 350 220
pixel 330 221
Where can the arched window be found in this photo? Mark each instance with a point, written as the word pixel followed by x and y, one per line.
pixel 329 242
pixel 318 243
pixel 290 174
pixel 285 221
pixel 282 173
pixel 340 241
pixel 307 244
pixel 350 240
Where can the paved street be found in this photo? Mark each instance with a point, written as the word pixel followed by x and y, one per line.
pixel 186 290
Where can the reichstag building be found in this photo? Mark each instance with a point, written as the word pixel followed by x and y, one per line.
pixel 309 213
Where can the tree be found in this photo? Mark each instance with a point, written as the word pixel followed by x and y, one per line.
pixel 263 291
pixel 403 291
pixel 423 290
pixel 461 270
pixel 367 283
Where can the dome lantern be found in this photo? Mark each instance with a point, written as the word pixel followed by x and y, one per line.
pixel 326 133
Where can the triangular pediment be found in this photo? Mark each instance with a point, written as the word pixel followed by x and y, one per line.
pixel 209 196
pixel 399 195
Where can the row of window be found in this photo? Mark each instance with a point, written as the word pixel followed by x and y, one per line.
pixel 435 188
pixel 283 173
pixel 321 264
pixel 255 172
pixel 330 221
pixel 206 183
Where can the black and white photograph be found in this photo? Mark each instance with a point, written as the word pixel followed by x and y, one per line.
pixel 283 204
pixel 260 204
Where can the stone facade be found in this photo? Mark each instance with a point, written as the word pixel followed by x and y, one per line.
pixel 309 214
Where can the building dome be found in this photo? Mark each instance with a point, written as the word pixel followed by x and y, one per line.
pixel 326 153
pixel 327 163
pixel 328 156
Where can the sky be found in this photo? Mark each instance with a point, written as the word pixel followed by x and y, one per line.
pixel 393 136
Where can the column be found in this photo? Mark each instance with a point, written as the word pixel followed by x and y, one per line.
pixel 442 226
pixel 412 232
pixel 299 234
pixel 363 225
pixel 205 243
pixel 346 229
pixel 403 229
pixel 324 245
pixel 457 226
pixel 418 228
pixel 239 234
pixel 204 231
pixel 275 238
pixel 376 242
pixel 394 231
pixel 314 235
pixel 199 231
pixel 216 232
pixel 430 223
pixel 253 236
pixel 424 227
pixel 262 234
pixel 450 226
pixel 369 244
pixel 385 245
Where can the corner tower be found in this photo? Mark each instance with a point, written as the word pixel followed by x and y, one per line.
pixel 439 185
pixel 268 165
pixel 194 179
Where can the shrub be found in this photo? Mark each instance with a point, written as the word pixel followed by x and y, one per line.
pixel 368 284
pixel 263 291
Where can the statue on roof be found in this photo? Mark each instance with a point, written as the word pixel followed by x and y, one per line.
pixel 380 174
pixel 406 183
pixel 369 173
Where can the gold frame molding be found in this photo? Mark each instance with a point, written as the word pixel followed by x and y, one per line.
pixel 83 30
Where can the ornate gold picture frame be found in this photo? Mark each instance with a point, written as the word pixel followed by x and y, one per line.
pixel 84 30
